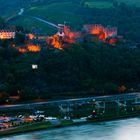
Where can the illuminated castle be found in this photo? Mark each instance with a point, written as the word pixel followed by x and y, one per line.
pixel 7 34
pixel 102 32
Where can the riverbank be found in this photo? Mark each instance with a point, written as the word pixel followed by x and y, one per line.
pixel 65 123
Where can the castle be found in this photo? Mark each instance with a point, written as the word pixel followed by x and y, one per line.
pixel 102 32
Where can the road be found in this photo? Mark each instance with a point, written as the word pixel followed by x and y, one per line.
pixel 123 97
pixel 46 22
pixel 21 13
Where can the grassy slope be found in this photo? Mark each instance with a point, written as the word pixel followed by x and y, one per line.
pixel 98 4
pixel 35 127
pixel 30 24
pixel 56 12
pixel 136 2
pixel 8 7
pixel 107 4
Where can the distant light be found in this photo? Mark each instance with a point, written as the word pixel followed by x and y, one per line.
pixel 34 66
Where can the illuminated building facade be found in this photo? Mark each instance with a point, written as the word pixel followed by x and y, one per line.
pixel 102 32
pixel 7 34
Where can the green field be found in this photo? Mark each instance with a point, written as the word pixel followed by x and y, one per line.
pixel 8 7
pixel 98 4
pixel 57 12
pixel 135 2
pixel 75 13
pixel 30 23
pixel 107 4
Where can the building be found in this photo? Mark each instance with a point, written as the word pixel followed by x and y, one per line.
pixel 102 32
pixel 7 34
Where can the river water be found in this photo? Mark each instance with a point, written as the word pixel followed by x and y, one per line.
pixel 128 129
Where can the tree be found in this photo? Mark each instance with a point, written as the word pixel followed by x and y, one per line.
pixel 20 38
pixel 2 22
pixel 122 89
pixel 115 3
pixel 110 88
pixel 3 97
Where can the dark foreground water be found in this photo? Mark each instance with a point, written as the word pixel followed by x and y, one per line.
pixel 115 130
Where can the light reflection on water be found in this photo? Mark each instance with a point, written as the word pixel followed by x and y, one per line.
pixel 115 130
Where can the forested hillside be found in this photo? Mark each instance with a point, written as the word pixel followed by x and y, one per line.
pixel 88 68
pixel 94 70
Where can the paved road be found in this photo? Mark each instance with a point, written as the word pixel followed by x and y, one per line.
pixel 46 22
pixel 21 13
pixel 129 96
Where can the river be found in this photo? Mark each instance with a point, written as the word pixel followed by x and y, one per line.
pixel 128 129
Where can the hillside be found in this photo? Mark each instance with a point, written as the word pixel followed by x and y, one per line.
pixel 135 2
pixel 67 74
pixel 89 66
pixel 8 7
pixel 75 12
